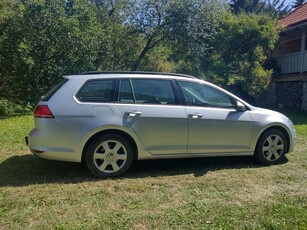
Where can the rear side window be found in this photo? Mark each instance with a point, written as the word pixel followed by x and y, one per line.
pixel 153 91
pixel 53 90
pixel 97 91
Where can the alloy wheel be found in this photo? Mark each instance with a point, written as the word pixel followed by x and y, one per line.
pixel 110 156
pixel 273 147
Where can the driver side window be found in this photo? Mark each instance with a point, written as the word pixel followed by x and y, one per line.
pixel 203 95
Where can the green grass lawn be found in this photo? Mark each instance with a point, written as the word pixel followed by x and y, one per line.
pixel 207 193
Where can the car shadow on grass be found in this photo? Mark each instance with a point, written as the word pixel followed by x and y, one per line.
pixel 28 169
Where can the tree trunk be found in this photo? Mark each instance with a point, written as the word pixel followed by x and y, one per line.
pixel 100 57
pixel 147 47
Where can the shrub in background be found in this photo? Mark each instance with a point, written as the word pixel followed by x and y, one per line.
pixel 8 108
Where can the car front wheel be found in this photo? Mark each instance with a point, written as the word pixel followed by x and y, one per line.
pixel 271 147
pixel 109 155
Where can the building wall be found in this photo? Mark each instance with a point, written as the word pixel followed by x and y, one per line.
pixel 288 43
pixel 289 94
pixel 304 100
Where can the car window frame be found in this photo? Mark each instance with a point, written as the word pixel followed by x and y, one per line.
pixel 118 91
pixel 203 106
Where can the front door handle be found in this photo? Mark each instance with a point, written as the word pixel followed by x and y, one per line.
pixel 134 113
pixel 195 115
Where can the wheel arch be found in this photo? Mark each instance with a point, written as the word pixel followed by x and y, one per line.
pixel 111 131
pixel 280 128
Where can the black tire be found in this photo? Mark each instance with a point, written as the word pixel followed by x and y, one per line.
pixel 102 156
pixel 271 147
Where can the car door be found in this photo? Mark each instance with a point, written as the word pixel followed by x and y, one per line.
pixel 215 126
pixel 151 108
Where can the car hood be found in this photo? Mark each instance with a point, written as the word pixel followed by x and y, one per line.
pixel 268 112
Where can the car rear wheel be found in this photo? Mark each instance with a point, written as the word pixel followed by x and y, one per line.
pixel 271 147
pixel 109 155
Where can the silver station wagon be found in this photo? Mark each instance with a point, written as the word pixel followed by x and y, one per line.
pixel 110 119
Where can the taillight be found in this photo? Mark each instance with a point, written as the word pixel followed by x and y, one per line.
pixel 43 111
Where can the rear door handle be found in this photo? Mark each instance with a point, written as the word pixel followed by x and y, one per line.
pixel 134 113
pixel 195 115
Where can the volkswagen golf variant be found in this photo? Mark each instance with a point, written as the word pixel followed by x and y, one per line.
pixel 111 119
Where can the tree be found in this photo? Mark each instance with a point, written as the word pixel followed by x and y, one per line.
pixel 192 27
pixel 179 25
pixel 148 19
pixel 159 59
pixel 297 3
pixel 276 9
pixel 40 42
pixel 247 6
pixel 118 42
pixel 272 8
pixel 143 28
pixel 242 49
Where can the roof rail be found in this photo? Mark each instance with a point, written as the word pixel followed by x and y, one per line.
pixel 137 72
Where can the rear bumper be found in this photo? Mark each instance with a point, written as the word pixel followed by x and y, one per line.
pixel 47 148
pixel 57 156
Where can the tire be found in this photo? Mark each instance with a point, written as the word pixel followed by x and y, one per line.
pixel 109 155
pixel 271 147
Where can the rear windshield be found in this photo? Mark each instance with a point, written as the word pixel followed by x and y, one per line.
pixel 53 90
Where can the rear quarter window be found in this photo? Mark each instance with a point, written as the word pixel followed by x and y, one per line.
pixel 97 91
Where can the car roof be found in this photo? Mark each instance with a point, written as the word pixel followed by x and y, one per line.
pixel 138 72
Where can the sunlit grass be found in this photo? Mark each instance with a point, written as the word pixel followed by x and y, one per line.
pixel 12 135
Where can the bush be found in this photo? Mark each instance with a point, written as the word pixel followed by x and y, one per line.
pixel 240 62
pixel 8 108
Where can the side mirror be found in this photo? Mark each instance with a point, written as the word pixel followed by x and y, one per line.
pixel 240 107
